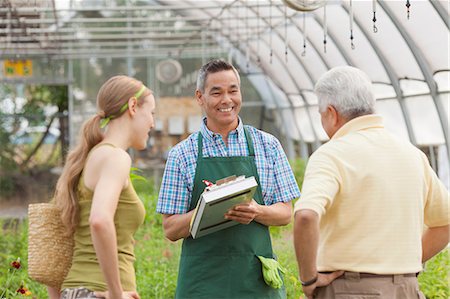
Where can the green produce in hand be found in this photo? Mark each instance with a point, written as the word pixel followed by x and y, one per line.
pixel 271 272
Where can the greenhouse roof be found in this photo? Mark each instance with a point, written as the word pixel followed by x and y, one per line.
pixel 282 51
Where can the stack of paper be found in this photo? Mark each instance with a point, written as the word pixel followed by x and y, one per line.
pixel 216 200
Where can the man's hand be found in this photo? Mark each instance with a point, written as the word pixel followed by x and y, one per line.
pixel 244 213
pixel 322 281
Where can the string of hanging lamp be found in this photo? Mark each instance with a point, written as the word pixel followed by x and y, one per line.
pixel 307 6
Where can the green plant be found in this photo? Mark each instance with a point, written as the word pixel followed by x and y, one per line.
pixel 11 289
pixel 14 280
pixel 136 175
pixel 157 258
pixel 435 279
pixel 298 167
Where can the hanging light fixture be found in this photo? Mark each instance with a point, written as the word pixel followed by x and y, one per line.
pixel 305 5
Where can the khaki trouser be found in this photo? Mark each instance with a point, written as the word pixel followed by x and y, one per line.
pixel 354 285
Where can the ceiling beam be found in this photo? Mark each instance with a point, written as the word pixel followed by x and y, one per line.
pixel 426 71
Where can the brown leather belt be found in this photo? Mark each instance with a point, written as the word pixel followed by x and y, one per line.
pixel 358 275
pixel 370 275
pixel 348 274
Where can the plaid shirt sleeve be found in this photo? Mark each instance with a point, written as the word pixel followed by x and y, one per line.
pixel 174 194
pixel 285 185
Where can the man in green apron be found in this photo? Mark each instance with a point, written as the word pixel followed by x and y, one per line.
pixel 225 264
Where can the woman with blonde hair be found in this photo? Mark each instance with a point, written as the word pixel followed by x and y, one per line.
pixel 99 205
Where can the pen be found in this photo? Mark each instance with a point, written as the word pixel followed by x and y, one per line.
pixel 207 183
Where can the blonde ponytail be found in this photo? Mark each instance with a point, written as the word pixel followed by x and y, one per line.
pixel 113 94
pixel 66 197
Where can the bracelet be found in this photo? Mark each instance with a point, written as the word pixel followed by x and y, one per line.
pixel 309 282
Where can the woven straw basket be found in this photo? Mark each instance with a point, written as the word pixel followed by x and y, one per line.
pixel 49 248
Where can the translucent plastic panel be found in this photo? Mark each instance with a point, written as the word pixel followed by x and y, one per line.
pixel 262 87
pixel 413 87
pixel 317 124
pixel 297 100
pixel 426 29
pixel 281 100
pixel 270 10
pixel 443 166
pixel 304 123
pixel 363 55
pixel 312 60
pixel 443 80
pixel 289 123
pixel 387 39
pixel 310 97
pixel 445 5
pixel 314 32
pixel 445 102
pixel 277 71
pixel 383 91
pixel 392 117
pixel 425 120
pixel 296 69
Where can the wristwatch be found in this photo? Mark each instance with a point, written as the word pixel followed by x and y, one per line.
pixel 309 282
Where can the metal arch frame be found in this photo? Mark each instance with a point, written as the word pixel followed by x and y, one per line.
pixel 202 26
pixel 291 151
pixel 301 139
pixel 338 46
pixel 266 72
pixel 319 53
pixel 289 72
pixel 441 11
pixel 238 47
pixel 308 73
pixel 116 8
pixel 290 143
pixel 317 142
pixel 392 76
pixel 336 42
pixel 426 71
pixel 343 51
pixel 303 147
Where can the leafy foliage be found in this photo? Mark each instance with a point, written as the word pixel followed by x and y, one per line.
pixel 22 151
pixel 157 258
pixel 298 166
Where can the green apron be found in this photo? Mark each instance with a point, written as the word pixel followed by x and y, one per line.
pixel 224 264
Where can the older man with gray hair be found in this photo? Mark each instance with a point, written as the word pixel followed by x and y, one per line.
pixel 372 210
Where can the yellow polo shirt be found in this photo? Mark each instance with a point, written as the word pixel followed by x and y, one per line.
pixel 373 193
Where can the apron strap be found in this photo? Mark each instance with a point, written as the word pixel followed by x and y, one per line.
pixel 200 147
pixel 251 149
pixel 248 137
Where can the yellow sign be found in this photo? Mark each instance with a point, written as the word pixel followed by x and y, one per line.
pixel 18 68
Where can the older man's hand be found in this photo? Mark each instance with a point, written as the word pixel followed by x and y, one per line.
pixel 322 281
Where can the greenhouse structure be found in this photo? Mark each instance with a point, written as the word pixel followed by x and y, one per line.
pixel 56 54
pixel 280 48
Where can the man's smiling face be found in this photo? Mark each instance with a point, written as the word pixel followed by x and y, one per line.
pixel 221 100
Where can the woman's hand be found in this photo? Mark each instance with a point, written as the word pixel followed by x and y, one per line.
pixel 53 293
pixel 125 295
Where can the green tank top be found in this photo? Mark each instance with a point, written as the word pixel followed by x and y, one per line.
pixel 85 270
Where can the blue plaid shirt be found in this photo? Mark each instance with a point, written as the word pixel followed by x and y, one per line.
pixel 277 180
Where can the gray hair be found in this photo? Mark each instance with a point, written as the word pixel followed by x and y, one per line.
pixel 347 89
pixel 214 66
